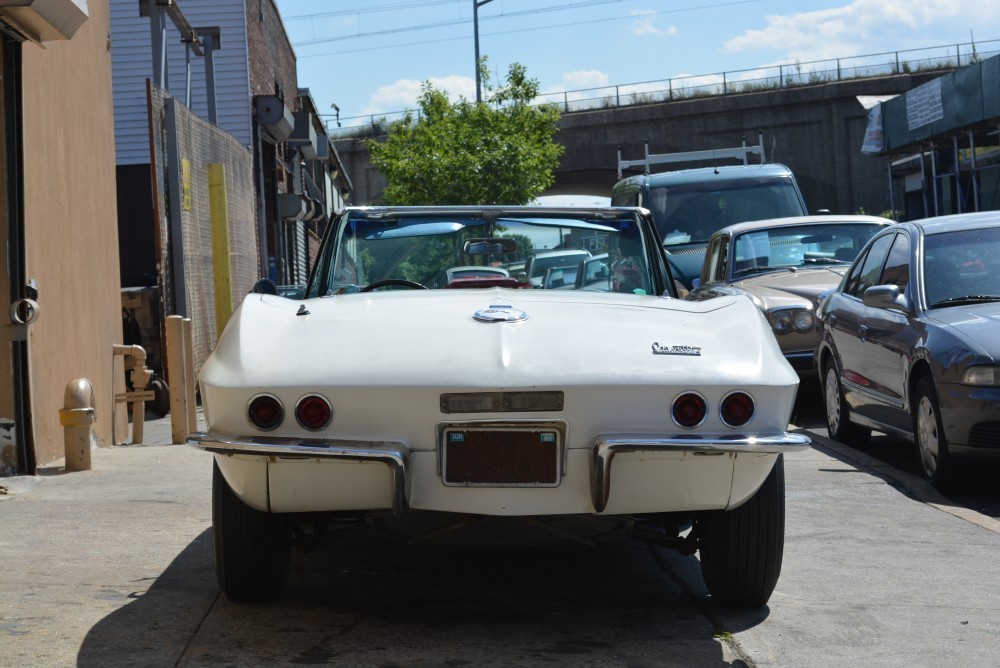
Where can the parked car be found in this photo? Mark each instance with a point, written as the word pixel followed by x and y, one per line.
pixel 442 414
pixel 784 265
pixel 688 205
pixel 460 278
pixel 910 341
pixel 594 273
pixel 538 264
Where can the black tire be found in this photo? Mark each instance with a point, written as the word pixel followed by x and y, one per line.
pixel 741 549
pixel 160 405
pixel 933 455
pixel 252 548
pixel 838 413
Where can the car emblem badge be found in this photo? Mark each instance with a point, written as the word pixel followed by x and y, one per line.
pixel 500 313
pixel 676 350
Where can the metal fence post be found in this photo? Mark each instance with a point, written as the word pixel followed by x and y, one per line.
pixel 221 265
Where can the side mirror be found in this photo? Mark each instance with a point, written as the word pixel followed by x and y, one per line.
pixel 264 286
pixel 887 297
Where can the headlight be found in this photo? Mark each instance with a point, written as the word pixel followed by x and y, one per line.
pixel 987 376
pixel 784 320
pixel 781 322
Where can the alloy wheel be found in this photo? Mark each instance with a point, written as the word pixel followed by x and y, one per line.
pixel 927 435
pixel 832 388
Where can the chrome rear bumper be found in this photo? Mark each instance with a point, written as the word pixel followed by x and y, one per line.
pixel 396 455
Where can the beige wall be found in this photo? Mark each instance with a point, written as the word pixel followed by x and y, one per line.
pixel 71 230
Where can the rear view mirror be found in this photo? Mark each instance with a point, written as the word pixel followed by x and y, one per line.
pixel 493 246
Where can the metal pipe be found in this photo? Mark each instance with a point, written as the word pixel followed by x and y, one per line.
pixel 974 171
pixel 77 416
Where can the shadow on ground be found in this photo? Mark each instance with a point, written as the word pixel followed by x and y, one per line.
pixel 366 601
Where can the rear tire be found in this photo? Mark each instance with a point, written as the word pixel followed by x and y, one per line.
pixel 160 405
pixel 838 413
pixel 252 548
pixel 741 549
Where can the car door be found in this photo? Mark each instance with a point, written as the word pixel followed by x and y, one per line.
pixel 844 316
pixel 887 337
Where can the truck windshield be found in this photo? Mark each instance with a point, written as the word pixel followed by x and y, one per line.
pixel 691 212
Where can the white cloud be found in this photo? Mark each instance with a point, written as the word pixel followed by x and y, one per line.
pixel 852 28
pixel 404 93
pixel 583 79
pixel 644 24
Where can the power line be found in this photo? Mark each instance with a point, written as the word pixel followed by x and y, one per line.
pixel 368 10
pixel 526 12
pixel 396 45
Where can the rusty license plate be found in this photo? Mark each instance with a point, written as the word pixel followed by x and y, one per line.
pixel 501 457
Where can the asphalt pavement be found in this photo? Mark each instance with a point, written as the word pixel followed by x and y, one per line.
pixel 112 566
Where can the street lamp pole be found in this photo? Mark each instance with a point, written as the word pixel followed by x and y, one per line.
pixel 476 4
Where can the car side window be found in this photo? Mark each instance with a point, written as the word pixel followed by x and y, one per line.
pixel 866 273
pixel 897 266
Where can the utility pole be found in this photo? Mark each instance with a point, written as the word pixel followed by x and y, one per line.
pixel 476 4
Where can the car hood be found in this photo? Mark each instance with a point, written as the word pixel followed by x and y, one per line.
pixel 433 339
pixel 977 324
pixel 792 288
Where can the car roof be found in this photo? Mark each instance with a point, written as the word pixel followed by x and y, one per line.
pixel 562 251
pixel 826 219
pixel 958 221
pixel 526 211
pixel 702 174
pixel 471 267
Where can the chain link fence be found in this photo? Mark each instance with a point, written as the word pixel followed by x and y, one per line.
pixel 183 146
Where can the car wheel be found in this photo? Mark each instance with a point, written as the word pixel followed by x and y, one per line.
pixel 252 548
pixel 741 549
pixel 928 435
pixel 838 413
pixel 160 405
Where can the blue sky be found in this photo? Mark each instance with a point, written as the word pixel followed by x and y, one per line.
pixel 369 57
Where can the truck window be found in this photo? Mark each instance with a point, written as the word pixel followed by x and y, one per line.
pixel 691 212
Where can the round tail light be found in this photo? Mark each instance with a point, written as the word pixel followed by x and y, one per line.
pixel 265 412
pixel 313 412
pixel 689 410
pixel 737 409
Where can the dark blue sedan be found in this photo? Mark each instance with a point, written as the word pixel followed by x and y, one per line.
pixel 910 341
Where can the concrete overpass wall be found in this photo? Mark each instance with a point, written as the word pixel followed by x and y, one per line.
pixel 817 131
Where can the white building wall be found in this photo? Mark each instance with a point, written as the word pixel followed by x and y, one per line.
pixel 132 64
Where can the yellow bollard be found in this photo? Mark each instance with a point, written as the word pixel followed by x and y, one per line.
pixel 77 417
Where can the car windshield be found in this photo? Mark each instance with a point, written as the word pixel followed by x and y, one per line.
pixel 692 212
pixel 962 267
pixel 477 248
pixel 799 246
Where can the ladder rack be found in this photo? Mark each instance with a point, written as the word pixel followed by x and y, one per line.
pixel 740 153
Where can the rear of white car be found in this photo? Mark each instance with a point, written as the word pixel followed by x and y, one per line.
pixel 574 408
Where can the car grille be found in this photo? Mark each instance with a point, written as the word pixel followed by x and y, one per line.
pixel 985 435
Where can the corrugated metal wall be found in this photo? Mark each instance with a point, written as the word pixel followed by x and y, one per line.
pixel 132 64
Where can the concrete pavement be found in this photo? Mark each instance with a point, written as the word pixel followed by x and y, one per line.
pixel 879 570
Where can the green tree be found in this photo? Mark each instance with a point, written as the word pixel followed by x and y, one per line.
pixel 498 151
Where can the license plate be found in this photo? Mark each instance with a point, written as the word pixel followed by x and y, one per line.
pixel 490 457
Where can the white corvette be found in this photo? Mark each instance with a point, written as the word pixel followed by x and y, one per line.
pixel 529 414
